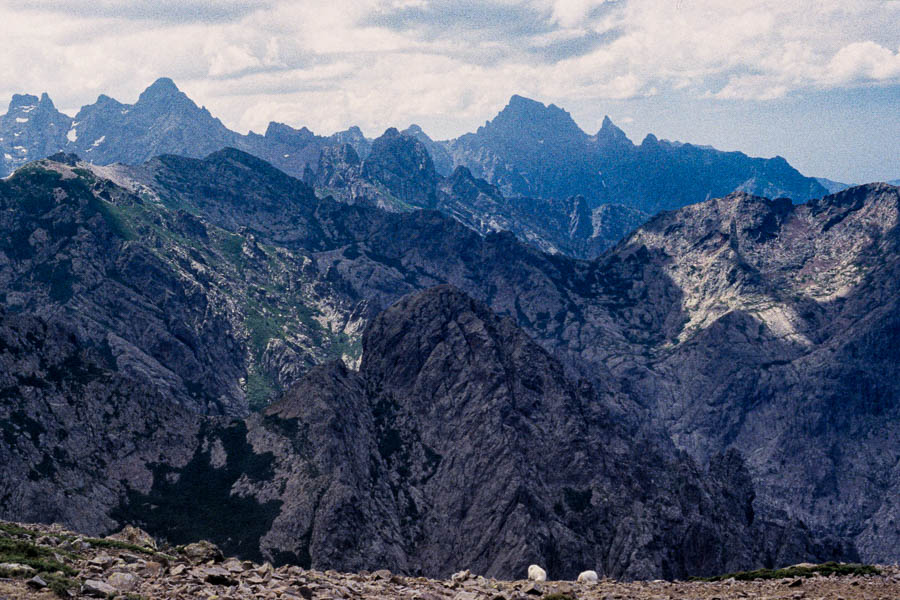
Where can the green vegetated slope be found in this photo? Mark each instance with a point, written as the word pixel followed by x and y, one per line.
pixel 227 319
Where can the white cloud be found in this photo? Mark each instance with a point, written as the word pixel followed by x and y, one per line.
pixel 331 64
pixel 571 13
pixel 228 60
pixel 863 61
pixel 750 87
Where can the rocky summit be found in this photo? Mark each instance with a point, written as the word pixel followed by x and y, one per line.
pixel 53 562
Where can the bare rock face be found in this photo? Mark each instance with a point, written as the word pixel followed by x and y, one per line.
pixel 402 165
pixel 786 326
pixel 31 129
pixel 144 309
pixel 460 442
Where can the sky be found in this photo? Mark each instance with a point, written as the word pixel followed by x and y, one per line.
pixel 817 82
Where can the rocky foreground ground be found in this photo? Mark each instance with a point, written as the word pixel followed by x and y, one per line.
pixel 41 561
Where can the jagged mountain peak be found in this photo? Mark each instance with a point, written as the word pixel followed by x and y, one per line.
pixel 461 173
pixel 404 166
pixel 650 140
pixel 355 137
pixel 610 133
pixel 444 330
pixel 163 87
pixel 417 132
pixel 104 101
pixel 279 132
pixel 524 116
pixel 22 100
pixel 27 103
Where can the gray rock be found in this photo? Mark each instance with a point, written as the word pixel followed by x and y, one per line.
pixel 219 576
pixel 97 589
pixel 533 588
pixel 134 535
pixel 589 577
pixel 16 569
pixel 124 582
pixel 202 552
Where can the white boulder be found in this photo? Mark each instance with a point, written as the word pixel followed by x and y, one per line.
pixel 588 577
pixel 535 573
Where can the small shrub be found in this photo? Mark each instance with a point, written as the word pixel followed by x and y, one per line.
pixel 104 543
pixel 13 529
pixel 824 569
pixel 60 585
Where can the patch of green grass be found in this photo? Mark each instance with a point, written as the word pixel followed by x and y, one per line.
pixel 114 217
pixel 57 575
pixel 39 558
pixel 103 543
pixel 13 529
pixel 261 390
pixel 824 569
pixel 232 246
pixel 261 328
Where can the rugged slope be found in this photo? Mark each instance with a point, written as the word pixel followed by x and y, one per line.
pixel 189 304
pixel 788 333
pixel 736 323
pixel 458 443
pixel 75 426
pixel 398 175
pixel 730 322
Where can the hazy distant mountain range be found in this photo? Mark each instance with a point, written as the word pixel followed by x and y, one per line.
pixel 535 162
